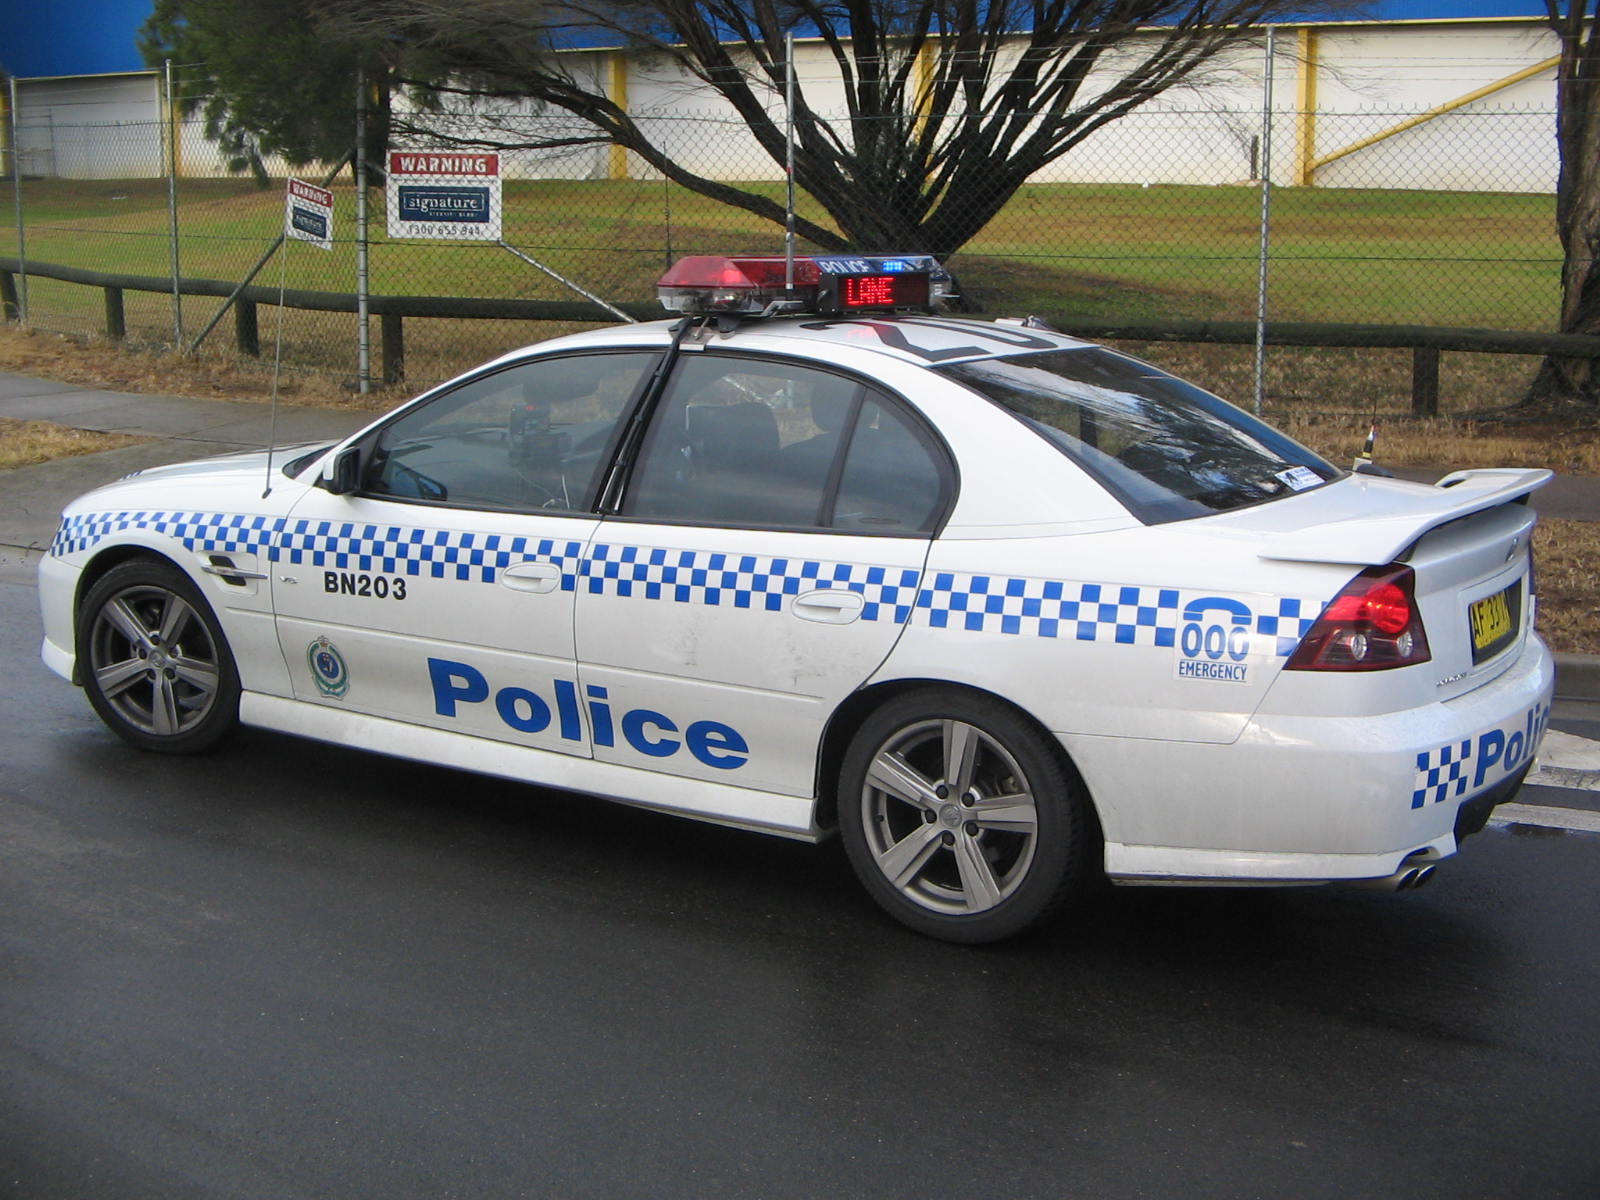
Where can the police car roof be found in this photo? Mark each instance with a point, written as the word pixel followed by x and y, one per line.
pixel 919 339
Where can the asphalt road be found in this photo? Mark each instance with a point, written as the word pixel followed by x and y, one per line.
pixel 291 970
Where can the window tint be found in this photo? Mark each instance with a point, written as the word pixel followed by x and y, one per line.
pixel 1164 447
pixel 750 442
pixel 891 481
pixel 533 436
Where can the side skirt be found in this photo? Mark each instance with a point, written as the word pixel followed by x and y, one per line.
pixel 763 812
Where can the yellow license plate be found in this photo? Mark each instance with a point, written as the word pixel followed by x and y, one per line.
pixel 1491 622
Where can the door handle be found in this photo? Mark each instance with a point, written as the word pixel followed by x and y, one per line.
pixel 829 606
pixel 536 577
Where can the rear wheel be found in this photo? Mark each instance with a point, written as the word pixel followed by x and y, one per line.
pixel 153 659
pixel 960 818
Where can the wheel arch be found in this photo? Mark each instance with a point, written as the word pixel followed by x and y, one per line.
pixel 847 718
pixel 169 681
pixel 97 568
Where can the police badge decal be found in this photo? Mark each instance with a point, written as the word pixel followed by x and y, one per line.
pixel 328 668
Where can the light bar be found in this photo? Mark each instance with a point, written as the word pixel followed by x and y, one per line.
pixel 824 285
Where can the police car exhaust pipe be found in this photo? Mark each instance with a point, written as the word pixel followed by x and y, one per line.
pixel 1405 880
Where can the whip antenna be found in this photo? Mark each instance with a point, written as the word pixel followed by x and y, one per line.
pixel 788 104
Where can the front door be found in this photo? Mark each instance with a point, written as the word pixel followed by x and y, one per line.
pixel 441 592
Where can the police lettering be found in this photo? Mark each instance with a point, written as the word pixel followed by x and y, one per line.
pixel 349 583
pixel 1509 750
pixel 651 733
pixel 1226 672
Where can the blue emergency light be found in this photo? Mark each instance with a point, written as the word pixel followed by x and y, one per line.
pixel 823 285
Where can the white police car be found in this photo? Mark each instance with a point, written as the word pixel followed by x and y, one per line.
pixel 1006 609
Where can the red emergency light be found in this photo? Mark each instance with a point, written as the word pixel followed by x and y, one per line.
pixel 824 285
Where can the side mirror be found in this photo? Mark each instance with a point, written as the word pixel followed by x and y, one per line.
pixel 346 474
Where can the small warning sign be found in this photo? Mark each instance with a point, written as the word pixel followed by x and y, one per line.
pixel 444 196
pixel 308 214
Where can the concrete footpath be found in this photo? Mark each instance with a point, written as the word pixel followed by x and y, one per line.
pixel 31 498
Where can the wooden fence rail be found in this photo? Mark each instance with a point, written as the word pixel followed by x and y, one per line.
pixel 1425 342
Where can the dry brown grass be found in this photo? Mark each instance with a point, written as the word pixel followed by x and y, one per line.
pixel 28 443
pixel 1446 442
pixel 1328 399
pixel 106 365
pixel 1567 560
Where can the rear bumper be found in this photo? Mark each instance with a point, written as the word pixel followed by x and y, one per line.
pixel 1313 799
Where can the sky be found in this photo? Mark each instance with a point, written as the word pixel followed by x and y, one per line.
pixel 96 37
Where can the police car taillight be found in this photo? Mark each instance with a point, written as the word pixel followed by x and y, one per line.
pixel 823 285
pixel 1371 625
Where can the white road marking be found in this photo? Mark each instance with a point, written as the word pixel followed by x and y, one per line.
pixel 1568 761
pixel 1578 820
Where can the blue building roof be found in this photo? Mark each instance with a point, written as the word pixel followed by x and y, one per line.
pixel 86 37
pixel 95 37
pixel 1453 10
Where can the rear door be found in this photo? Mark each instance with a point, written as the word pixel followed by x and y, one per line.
pixel 764 559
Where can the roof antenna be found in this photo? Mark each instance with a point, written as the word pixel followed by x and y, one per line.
pixel 277 358
pixel 565 282
pixel 1364 464
pixel 788 226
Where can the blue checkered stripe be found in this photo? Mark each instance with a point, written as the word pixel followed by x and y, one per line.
pixel 749 581
pixel 1087 612
pixel 1442 773
pixel 1290 624
pixel 435 553
pixel 1121 614
pixel 348 545
pixel 1050 608
pixel 211 533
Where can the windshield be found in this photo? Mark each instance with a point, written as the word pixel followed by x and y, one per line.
pixel 1165 448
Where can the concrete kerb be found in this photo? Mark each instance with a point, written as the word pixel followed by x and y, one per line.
pixel 31 497
pixel 1578 677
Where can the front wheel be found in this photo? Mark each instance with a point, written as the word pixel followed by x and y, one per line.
pixel 153 659
pixel 960 818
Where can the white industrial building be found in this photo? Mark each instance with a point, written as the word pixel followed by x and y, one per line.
pixel 1431 101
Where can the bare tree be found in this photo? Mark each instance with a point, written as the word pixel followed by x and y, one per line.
pixel 950 105
pixel 1576 380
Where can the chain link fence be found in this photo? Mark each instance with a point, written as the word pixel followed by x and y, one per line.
pixel 1408 218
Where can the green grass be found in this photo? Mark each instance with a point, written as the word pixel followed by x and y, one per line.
pixel 1390 257
pixel 1400 257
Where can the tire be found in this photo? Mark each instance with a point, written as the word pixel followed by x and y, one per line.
pixel 153 659
pixel 960 818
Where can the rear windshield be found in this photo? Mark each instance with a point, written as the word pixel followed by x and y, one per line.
pixel 1165 448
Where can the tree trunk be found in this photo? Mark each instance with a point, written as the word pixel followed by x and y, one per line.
pixel 1576 380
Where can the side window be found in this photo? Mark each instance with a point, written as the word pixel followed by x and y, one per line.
pixel 891 481
pixel 752 442
pixel 537 435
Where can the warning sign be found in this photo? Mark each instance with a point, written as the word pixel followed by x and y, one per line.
pixel 445 196
pixel 308 214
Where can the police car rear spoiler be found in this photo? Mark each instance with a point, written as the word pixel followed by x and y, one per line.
pixel 1379 539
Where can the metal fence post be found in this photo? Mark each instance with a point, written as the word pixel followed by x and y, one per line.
pixel 1266 223
pixel 169 140
pixel 363 325
pixel 16 191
